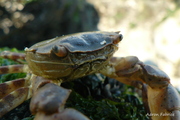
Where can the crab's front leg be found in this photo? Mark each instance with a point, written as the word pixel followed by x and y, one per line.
pixel 163 100
pixel 48 101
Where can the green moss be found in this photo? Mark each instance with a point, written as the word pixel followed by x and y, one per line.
pixel 122 107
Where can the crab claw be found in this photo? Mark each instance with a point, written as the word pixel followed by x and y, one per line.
pixel 48 104
pixel 160 97
pixel 67 114
pixel 49 99
pixel 163 103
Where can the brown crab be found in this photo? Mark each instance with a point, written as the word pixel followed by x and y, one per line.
pixel 51 62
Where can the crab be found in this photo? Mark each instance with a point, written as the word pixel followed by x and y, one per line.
pixel 61 59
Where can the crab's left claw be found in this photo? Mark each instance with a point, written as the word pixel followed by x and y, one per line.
pixel 67 114
pixel 48 104
pixel 161 98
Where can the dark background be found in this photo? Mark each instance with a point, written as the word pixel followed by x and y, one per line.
pixel 22 25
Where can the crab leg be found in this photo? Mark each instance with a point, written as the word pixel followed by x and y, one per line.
pixel 8 87
pixel 13 69
pixel 12 94
pixel 163 100
pixel 13 99
pixel 12 55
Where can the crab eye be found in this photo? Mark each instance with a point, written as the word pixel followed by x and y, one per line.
pixel 60 51
pixel 120 37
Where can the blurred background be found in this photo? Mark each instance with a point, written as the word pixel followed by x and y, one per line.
pixel 151 28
